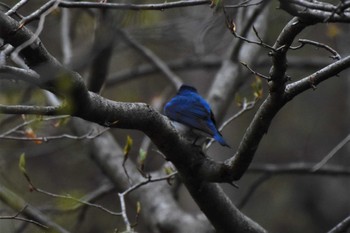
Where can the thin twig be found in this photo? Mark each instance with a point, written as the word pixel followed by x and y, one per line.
pixel 148 180
pixel 65 37
pixel 16 217
pixel 123 212
pixel 32 187
pixel 133 188
pixel 16 7
pixel 303 42
pixel 244 4
pixel 6 135
pixel 256 184
pixel 232 27
pixel 152 57
pixel 88 135
pixel 341 227
pixel 330 155
pixel 129 6
pixel 26 123
pixel 69 197
pixel 255 73
pixel 339 9
pixel 246 106
pixel 43 11
pixel 51 6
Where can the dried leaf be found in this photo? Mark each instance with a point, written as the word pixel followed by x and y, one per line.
pixel 29 133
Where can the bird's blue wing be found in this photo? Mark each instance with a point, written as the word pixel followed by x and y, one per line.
pixel 191 112
pixel 190 109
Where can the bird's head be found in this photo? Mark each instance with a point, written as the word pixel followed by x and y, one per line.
pixel 186 88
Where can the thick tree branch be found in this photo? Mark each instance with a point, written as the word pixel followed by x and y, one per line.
pixel 37 110
pixel 262 120
pixel 270 107
pixel 14 73
pixel 191 163
pixel 52 74
pixel 279 55
pixel 311 81
pixel 129 6
pixel 316 11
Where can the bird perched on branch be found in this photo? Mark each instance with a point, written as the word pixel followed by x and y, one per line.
pixel 193 112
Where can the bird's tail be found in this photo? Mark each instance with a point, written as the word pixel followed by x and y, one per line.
pixel 218 137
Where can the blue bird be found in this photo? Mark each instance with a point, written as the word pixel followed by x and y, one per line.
pixel 193 111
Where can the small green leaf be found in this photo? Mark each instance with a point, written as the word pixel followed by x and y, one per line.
pixel 142 156
pixel 69 201
pixel 22 163
pixel 168 170
pixel 238 100
pixel 257 88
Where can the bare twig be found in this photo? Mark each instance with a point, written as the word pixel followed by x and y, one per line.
pixel 317 11
pixel 232 27
pixel 152 57
pixel 128 6
pixel 246 106
pixel 16 217
pixel 314 79
pixel 41 13
pixel 209 62
pixel 303 42
pixel 148 180
pixel 32 187
pixel 88 135
pixel 256 184
pixel 330 155
pixel 123 212
pixel 78 200
pixel 255 73
pixel 144 69
pixel 16 7
pixel 244 4
pixel 133 188
pixel 341 227
pixel 26 123
pixel 7 134
pixel 337 10
pixel 14 201
pixel 122 195
pixel 65 37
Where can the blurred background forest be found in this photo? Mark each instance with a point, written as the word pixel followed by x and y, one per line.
pixel 193 41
